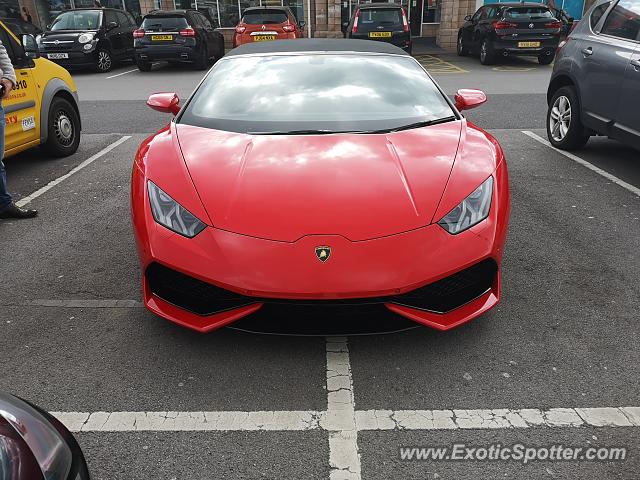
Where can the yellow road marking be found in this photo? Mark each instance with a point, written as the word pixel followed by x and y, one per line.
pixel 435 64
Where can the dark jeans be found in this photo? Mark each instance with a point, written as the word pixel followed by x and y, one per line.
pixel 5 198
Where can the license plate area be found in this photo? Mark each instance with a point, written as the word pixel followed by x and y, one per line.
pixel 379 34
pixel 529 44
pixel 161 38
pixel 264 38
pixel 57 56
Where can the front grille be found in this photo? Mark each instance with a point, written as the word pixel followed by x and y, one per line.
pixel 190 293
pixel 205 299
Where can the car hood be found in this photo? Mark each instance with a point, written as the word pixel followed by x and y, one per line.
pixel 360 186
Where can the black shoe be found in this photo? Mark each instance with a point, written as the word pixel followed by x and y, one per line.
pixel 13 211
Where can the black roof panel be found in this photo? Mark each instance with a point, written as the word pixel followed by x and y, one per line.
pixel 317 45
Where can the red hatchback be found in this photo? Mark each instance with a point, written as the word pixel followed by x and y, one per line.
pixel 259 24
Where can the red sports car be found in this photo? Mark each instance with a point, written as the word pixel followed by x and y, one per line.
pixel 319 172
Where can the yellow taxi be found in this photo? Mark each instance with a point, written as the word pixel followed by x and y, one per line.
pixel 42 108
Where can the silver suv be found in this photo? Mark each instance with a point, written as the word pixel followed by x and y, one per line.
pixel 595 85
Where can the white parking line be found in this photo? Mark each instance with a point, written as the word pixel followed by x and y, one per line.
pixel 122 73
pixel 343 422
pixel 340 417
pixel 584 163
pixel 26 200
pixel 365 420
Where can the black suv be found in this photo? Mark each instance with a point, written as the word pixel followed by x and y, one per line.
pixel 177 36
pixel 510 29
pixel 89 37
pixel 386 22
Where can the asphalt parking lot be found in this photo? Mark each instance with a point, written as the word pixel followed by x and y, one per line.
pixel 557 362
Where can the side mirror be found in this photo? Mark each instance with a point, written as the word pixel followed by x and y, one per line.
pixel 570 19
pixel 467 18
pixel 467 98
pixel 48 26
pixel 165 102
pixel 302 23
pixel 30 46
pixel 112 25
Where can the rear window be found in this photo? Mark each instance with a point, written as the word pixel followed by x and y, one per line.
pixel 382 17
pixel 164 24
pixel 529 13
pixel 264 17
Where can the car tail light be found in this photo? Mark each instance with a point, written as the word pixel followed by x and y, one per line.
pixel 556 24
pixel 500 26
pixel 240 29
pixel 355 22
pixel 288 28
pixel 139 33
pixel 187 32
pixel 405 24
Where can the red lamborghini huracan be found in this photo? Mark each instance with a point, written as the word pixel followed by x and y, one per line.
pixel 319 172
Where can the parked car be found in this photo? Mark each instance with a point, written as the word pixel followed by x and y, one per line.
pixel 89 37
pixel 384 22
pixel 595 85
pixel 177 36
pixel 42 108
pixel 258 140
pixel 510 29
pixel 34 445
pixel 260 24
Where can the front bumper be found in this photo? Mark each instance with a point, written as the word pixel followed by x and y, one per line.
pixel 218 277
pixel 77 59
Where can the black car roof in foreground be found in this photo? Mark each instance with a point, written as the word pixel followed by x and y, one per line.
pixel 317 45
pixel 266 7
pixel 364 6
pixel 515 4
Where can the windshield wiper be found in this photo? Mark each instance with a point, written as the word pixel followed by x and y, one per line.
pixel 302 132
pixel 409 126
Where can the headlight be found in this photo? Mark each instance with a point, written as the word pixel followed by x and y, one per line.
pixel 169 213
pixel 470 211
pixel 85 38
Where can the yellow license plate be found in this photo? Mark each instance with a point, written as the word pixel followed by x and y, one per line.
pixel 528 44
pixel 263 38
pixel 379 34
pixel 157 38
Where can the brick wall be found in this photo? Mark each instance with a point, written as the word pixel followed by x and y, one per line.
pixel 451 18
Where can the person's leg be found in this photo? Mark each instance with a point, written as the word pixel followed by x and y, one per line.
pixel 8 209
pixel 5 198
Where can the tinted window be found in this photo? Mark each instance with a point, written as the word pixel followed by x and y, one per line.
pixel 529 13
pixel 164 24
pixel 205 21
pixel 315 92
pixel 264 17
pixel 597 13
pixel 371 18
pixel 77 20
pixel 624 20
pixel 194 20
pixel 110 16
pixel 122 19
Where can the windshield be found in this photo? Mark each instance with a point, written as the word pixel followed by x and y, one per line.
pixel 317 92
pixel 78 20
pixel 167 24
pixel 529 12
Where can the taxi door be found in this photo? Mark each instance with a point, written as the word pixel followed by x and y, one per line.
pixel 21 107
